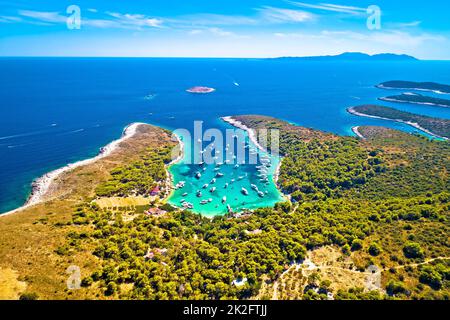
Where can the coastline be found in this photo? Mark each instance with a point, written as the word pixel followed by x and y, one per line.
pixel 250 132
pixel 41 185
pixel 252 137
pixel 380 86
pixel 170 182
pixel 414 102
pixel 351 110
pixel 358 134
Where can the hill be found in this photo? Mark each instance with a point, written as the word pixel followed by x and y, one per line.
pixel 355 56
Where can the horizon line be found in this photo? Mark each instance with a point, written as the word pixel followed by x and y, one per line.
pixel 187 57
pixel 223 57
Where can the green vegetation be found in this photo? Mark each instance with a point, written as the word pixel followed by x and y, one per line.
pixel 413 250
pixel 440 127
pixel 325 169
pixel 425 86
pixel 436 276
pixel 29 296
pixel 138 178
pixel 417 99
pixel 384 201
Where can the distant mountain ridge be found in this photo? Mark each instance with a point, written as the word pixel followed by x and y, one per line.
pixel 356 56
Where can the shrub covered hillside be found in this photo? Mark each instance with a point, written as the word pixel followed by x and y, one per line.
pixel 384 201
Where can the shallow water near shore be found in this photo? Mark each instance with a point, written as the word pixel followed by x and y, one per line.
pixel 56 111
pixel 235 177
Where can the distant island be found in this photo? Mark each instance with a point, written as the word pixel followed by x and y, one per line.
pixel 434 126
pixel 201 90
pixel 416 98
pixel 422 86
pixel 355 56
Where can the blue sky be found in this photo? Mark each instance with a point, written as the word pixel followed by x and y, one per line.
pixel 223 28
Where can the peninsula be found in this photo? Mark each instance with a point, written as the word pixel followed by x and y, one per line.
pixel 434 126
pixel 419 86
pixel 416 98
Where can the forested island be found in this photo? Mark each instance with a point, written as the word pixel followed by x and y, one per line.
pixel 410 85
pixel 415 98
pixel 354 57
pixel 434 126
pixel 358 210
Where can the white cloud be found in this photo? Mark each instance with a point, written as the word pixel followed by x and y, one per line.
pixel 137 20
pixel 10 19
pixel 408 24
pixel 217 32
pixel 116 20
pixel 280 15
pixel 207 19
pixel 93 10
pixel 331 7
pixel 220 32
pixel 45 16
pixel 195 32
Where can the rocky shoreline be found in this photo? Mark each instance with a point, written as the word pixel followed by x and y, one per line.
pixel 352 110
pixel 41 185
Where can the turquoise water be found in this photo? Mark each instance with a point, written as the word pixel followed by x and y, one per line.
pixel 235 177
pixel 54 111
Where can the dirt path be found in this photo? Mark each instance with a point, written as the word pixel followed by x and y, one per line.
pixel 419 263
pixel 373 281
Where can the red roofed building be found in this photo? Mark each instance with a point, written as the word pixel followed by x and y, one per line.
pixel 155 212
pixel 155 191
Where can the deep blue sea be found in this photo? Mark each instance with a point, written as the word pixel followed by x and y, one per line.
pixel 55 111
